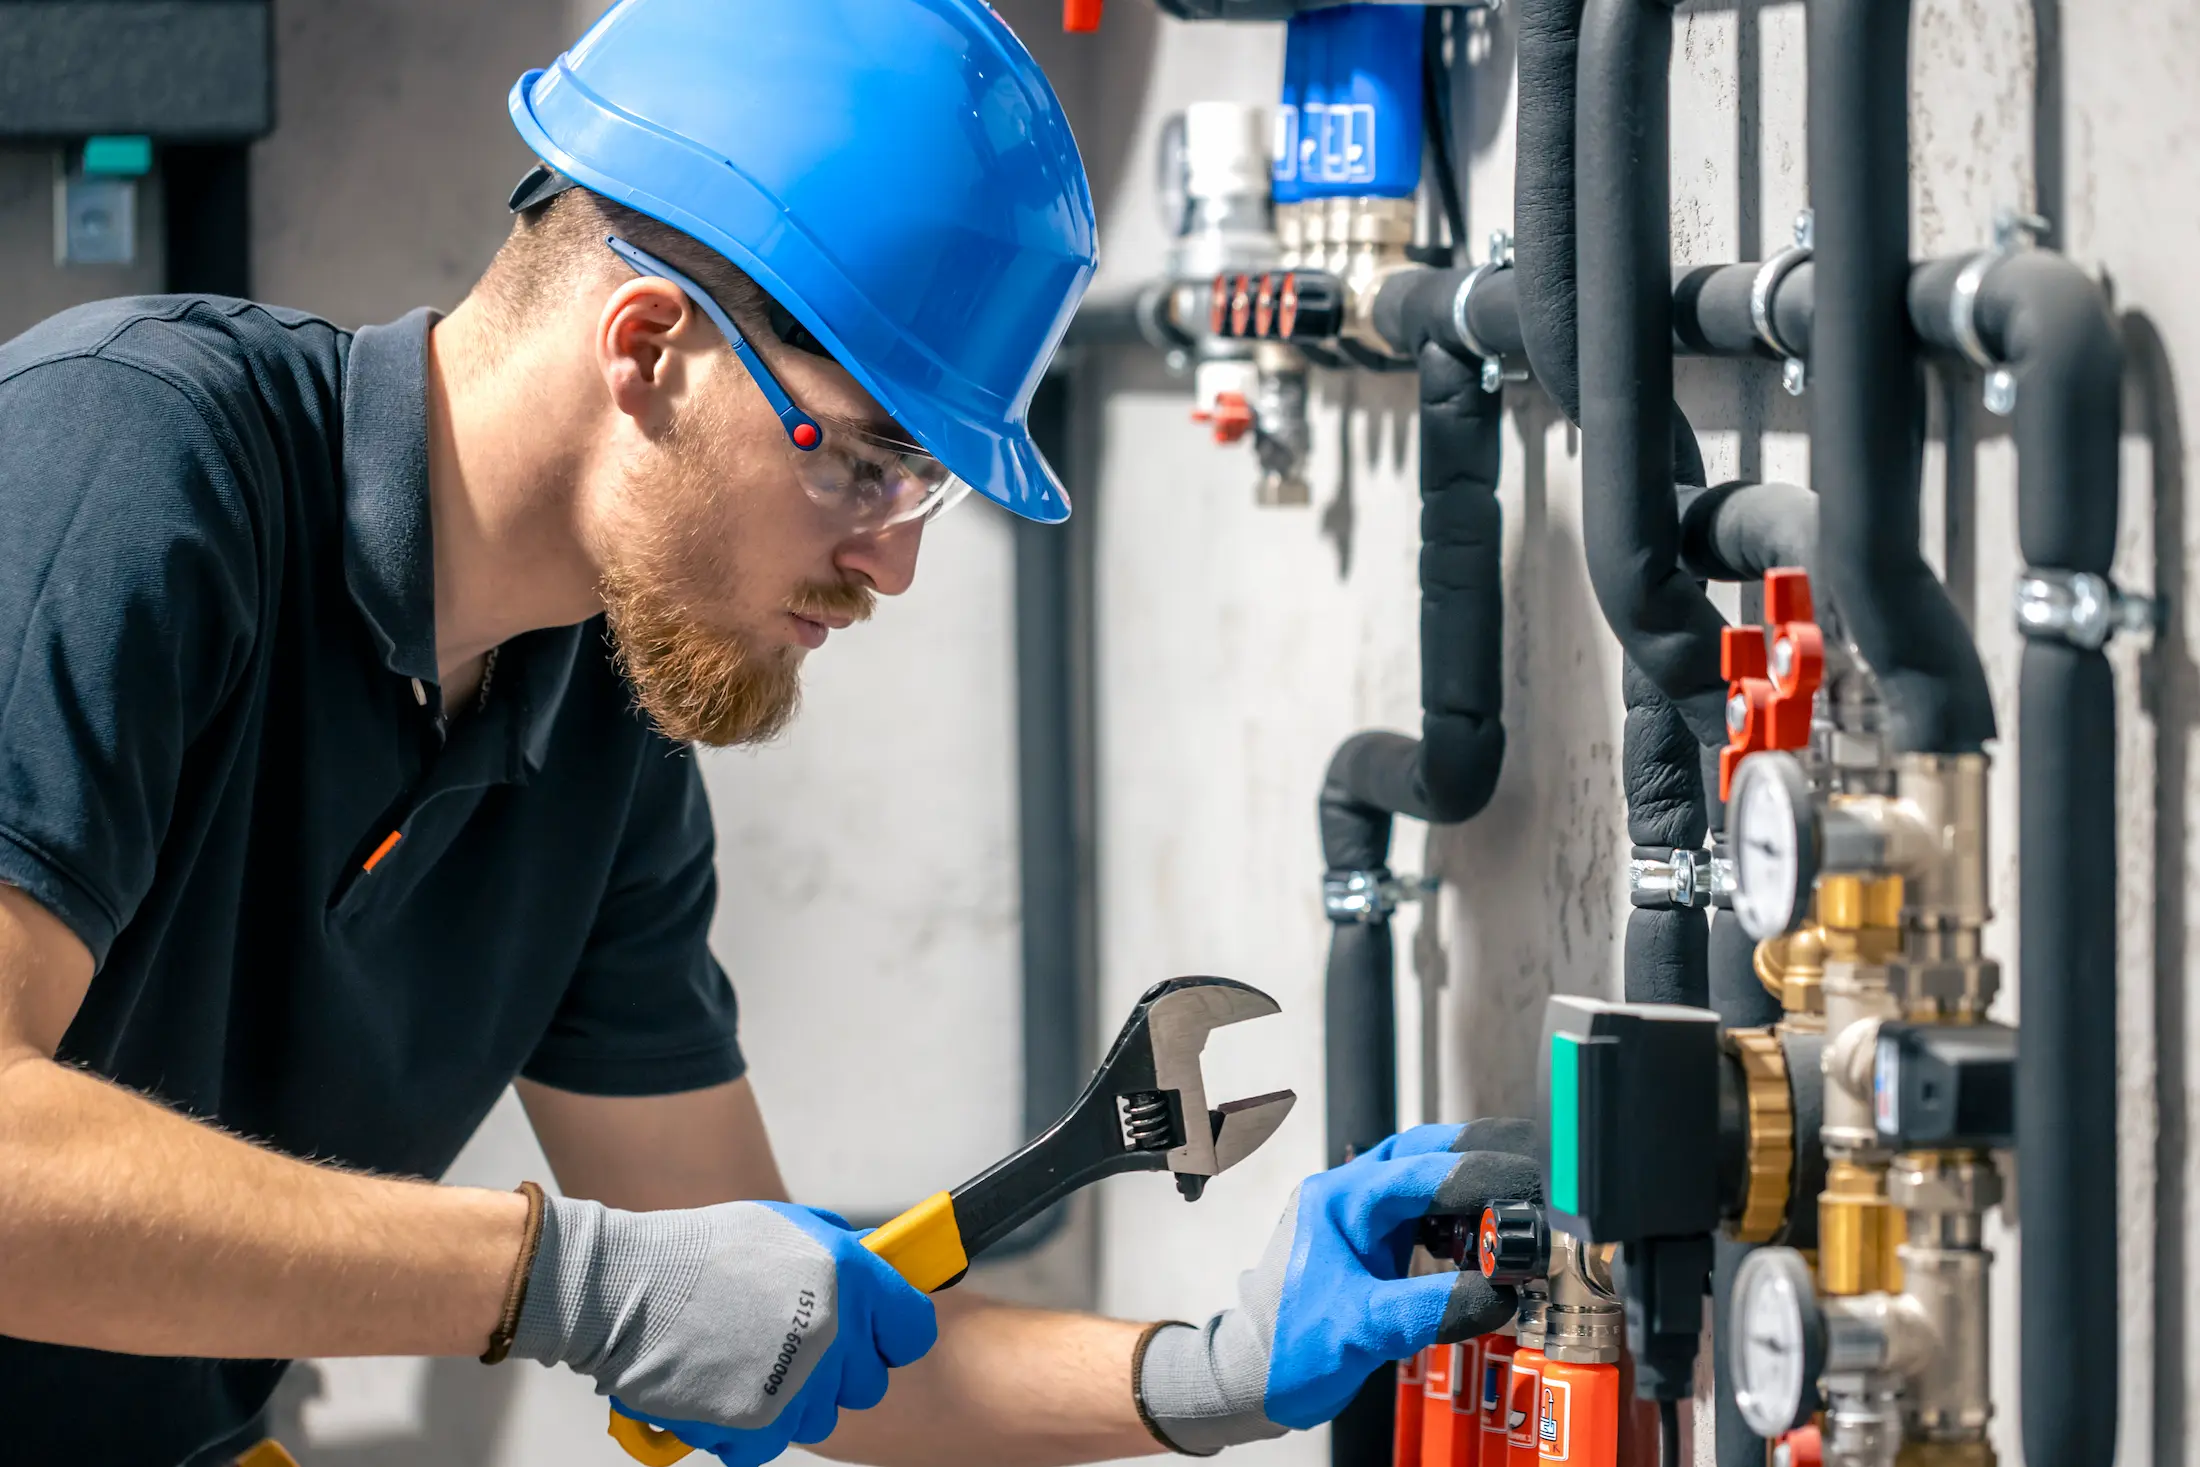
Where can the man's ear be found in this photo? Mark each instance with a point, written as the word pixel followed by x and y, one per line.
pixel 637 335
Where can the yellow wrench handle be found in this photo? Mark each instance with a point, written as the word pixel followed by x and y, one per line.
pixel 924 1245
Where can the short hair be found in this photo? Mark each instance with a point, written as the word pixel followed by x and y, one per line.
pixel 557 247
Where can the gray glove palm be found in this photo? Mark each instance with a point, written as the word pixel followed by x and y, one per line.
pixel 741 1328
pixel 1330 1301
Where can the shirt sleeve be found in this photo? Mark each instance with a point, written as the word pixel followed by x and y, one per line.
pixel 649 1011
pixel 128 594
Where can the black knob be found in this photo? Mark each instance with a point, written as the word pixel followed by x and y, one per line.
pixel 1450 1237
pixel 1513 1244
pixel 1310 306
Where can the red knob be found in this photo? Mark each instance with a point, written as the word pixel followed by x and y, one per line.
pixel 1264 306
pixel 1802 1447
pixel 1081 15
pixel 1772 674
pixel 1241 306
pixel 1233 417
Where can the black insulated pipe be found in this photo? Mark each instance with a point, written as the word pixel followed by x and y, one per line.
pixel 1665 956
pixel 2053 327
pixel 1416 307
pixel 1445 776
pixel 1739 531
pixel 1546 48
pixel 1867 397
pixel 1712 315
pixel 1629 431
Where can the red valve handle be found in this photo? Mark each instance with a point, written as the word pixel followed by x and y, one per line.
pixel 1081 15
pixel 1233 417
pixel 1772 674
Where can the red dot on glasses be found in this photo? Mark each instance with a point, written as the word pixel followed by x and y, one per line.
pixel 805 435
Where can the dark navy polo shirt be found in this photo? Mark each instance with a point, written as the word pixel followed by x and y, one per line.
pixel 218 703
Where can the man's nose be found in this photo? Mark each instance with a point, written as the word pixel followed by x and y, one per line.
pixel 886 558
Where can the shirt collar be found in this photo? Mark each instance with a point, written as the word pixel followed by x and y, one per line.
pixel 389 540
pixel 389 543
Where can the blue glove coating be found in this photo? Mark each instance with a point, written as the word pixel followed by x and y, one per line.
pixel 1330 1300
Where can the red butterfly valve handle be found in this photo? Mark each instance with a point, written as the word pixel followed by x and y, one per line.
pixel 1772 674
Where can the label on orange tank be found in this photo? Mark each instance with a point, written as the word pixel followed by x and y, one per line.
pixel 1451 1431
pixel 1523 1409
pixel 1405 1442
pixel 1497 1358
pixel 1558 1415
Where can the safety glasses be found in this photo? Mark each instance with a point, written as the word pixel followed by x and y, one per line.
pixel 865 480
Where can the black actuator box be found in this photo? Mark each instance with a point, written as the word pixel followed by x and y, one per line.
pixel 1631 1119
pixel 1945 1085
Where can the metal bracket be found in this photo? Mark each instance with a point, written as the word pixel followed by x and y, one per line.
pixel 1685 878
pixel 1369 897
pixel 2013 232
pixel 1794 371
pixel 2081 608
pixel 1501 258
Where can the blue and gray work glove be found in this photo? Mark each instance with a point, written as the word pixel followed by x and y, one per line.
pixel 741 1328
pixel 1330 1301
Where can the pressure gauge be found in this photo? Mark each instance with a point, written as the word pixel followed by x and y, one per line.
pixel 1780 1336
pixel 1772 824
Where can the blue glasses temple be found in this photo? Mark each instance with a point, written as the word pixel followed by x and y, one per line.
pixel 802 429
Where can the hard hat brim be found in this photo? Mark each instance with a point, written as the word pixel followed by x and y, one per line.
pixel 987 445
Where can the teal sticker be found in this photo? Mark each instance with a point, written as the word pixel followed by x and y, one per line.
pixel 119 156
pixel 1566 1123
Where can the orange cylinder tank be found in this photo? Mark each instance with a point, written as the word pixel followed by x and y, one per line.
pixel 1578 1423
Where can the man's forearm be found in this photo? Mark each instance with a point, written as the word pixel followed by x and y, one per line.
pixel 124 1226
pixel 1008 1386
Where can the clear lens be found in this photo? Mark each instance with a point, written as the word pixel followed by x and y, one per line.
pixel 873 482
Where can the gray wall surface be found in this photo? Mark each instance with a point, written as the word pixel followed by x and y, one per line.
pixel 1239 645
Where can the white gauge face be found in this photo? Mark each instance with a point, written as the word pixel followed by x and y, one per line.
pixel 1768 838
pixel 1772 1356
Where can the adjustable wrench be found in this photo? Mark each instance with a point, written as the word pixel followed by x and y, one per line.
pixel 1145 1110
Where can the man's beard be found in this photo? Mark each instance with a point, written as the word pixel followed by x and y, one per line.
pixel 701 683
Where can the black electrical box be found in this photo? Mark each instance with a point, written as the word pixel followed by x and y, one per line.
pixel 1945 1085
pixel 187 71
pixel 1630 1119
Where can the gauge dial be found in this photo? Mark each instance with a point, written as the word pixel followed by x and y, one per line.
pixel 1774 829
pixel 1780 1336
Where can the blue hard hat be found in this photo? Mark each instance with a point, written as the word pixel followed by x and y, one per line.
pixel 898 175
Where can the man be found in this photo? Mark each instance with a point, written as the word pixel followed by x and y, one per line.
pixel 344 779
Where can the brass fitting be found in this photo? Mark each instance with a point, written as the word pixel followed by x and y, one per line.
pixel 1528 1317
pixel 1366 243
pixel 1931 832
pixel 1771 1131
pixel 1941 976
pixel 1290 235
pixel 1945 1454
pixel 1861 915
pixel 1793 970
pixel 1860 1234
pixel 1944 1196
pixel 1583 1321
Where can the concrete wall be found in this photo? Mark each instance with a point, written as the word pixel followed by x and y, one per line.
pixel 870 883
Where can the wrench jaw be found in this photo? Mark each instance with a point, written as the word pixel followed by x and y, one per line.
pixel 1180 1014
pixel 1243 1126
pixel 1145 1110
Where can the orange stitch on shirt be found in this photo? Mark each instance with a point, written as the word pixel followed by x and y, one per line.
pixel 389 843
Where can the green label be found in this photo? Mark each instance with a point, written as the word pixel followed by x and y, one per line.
pixel 1566 1123
pixel 123 156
